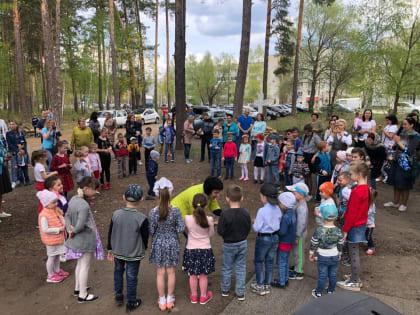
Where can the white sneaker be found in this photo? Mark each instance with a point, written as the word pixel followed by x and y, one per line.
pixel 402 208
pixel 390 204
pixel 5 215
pixel 13 185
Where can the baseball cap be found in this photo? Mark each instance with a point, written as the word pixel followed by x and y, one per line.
pixel 301 188
pixel 287 199
pixel 133 138
pixel 133 193
pixel 270 192
pixel 328 212
pixel 327 188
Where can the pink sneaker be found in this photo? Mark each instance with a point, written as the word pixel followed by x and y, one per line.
pixel 55 278
pixel 370 252
pixel 246 179
pixel 63 273
pixel 207 298
pixel 242 178
pixel 193 298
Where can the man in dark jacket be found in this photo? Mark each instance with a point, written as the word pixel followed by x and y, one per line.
pixel 151 173
pixel 206 135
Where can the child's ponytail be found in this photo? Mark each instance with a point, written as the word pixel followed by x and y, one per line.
pixel 372 196
pixel 199 203
pixel 164 201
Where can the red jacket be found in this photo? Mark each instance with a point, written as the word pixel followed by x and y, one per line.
pixel 356 214
pixel 230 150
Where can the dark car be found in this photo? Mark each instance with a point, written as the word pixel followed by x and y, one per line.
pixel 214 114
pixel 199 110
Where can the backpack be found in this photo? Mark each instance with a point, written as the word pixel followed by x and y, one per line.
pixel 403 161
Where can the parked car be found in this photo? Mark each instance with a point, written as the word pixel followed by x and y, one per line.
pixel 149 115
pixel 301 108
pixel 214 114
pixel 337 108
pixel 406 108
pixel 120 117
pixel 199 110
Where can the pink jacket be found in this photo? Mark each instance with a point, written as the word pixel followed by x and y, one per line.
pixel 198 237
pixel 93 159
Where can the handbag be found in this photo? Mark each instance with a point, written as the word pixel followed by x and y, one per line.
pixel 403 161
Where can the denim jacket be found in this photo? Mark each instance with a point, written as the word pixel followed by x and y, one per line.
pixel 273 154
pixel 287 232
pixel 289 159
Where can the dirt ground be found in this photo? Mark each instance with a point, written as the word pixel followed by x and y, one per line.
pixel 392 271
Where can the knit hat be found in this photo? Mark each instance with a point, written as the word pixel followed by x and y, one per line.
pixel 154 154
pixel 342 155
pixel 160 127
pixel 133 193
pixel 270 192
pixel 348 151
pixel 133 138
pixel 162 184
pixel 260 136
pixel 46 197
pixel 288 200
pixel 328 212
pixel 273 137
pixel 301 188
pixel 327 188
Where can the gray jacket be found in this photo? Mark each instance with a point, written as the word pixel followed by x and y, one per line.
pixel 79 215
pixel 309 144
pixel 301 218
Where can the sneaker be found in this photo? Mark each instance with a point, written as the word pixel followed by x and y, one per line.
pixel 241 178
pixel 62 273
pixel 225 293
pixel 402 208
pixel 119 299
pixel 315 294
pixel 330 292
pixel 76 292
pixel 170 302
pixel 255 181
pixel 246 179
pixel 193 299
pixel 162 303
pixel 205 299
pixel 267 288
pixel 370 252
pixel 348 277
pixel 55 278
pixel 346 262
pixel 133 306
pixel 13 185
pixel 166 161
pixel 104 187
pixel 391 204
pixel 140 163
pixel 109 186
pixel 292 274
pixel 349 285
pixel 241 297
pixel 258 289
pixel 172 161
pixel 5 215
pixel 296 275
pixel 277 284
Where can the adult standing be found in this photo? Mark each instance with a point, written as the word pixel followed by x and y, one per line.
pixel 339 140
pixel 415 116
pixel 41 122
pixel 407 141
pixel 389 131
pixel 173 112
pixel 308 146
pixel 368 126
pixel 258 128
pixel 316 124
pixel 81 136
pixel 14 137
pixel 5 186
pixel 245 124
pixel 94 125
pixel 331 126
pixel 49 135
pixel 230 129
pixel 188 135
pixel 206 134
pixel 112 127
pixel 376 151
pixel 84 242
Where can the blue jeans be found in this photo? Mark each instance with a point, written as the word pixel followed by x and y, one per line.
pixel 131 277
pixel 14 170
pixel 273 169
pixel 265 250
pixel 151 181
pixel 373 183
pixel 23 174
pixel 187 149
pixel 49 158
pixel 169 146
pixel 234 255
pixel 230 164
pixel 288 178
pixel 215 161
pixel 327 267
pixel 283 266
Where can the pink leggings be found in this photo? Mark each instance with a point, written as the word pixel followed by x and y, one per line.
pixel 203 285
pixel 244 170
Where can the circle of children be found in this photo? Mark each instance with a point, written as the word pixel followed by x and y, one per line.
pixel 344 212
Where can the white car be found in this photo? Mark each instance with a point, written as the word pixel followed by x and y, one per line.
pixel 149 116
pixel 407 108
pixel 120 117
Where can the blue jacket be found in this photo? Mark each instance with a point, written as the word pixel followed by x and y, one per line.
pixel 287 232
pixel 216 143
pixel 169 134
pixel 273 154
pixel 254 153
pixel 13 139
pixel 152 168
pixel 233 128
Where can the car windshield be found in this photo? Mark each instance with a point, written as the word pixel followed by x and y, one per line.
pixel 102 114
pixel 219 114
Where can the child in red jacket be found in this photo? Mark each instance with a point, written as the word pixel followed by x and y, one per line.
pixel 121 151
pixel 230 154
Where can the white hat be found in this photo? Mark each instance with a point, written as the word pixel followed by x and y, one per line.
pixel 301 188
pixel 46 197
pixel 161 184
pixel 348 151
pixel 287 199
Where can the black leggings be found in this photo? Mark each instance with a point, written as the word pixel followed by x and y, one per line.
pixel 106 168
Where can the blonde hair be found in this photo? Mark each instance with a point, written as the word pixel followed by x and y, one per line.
pixel 341 120
pixel 92 146
pixel 79 154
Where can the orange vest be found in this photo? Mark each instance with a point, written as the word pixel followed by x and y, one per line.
pixel 55 220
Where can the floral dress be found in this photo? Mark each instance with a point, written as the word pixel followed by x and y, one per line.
pixel 165 242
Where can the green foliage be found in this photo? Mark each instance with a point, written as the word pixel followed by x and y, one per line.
pixel 253 85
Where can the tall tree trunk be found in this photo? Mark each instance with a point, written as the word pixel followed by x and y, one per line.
pixel 75 103
pixel 155 95
pixel 141 55
pixel 243 59
pixel 99 44
pixel 168 59
pixel 414 95
pixel 297 57
pixel 266 53
pixel 180 97
pixel 57 106
pixel 114 55
pixel 105 75
pixel 313 88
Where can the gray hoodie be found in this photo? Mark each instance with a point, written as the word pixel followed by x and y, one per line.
pixel 301 218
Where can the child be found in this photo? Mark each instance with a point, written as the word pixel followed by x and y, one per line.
pixel 295 137
pixel 21 164
pixel 287 235
pixel 215 153
pixel 149 143
pixel 152 168
pixel 121 152
pixel 38 160
pixel 289 160
pixel 127 242
pixel 61 163
pixel 234 226
pixel 355 217
pixel 198 255
pixel 358 154
pixel 357 125
pixel 266 224
pixel 328 241
pixel 259 157
pixel 299 169
pixel 133 156
pixel 344 193
pixel 326 192
pixel 51 227
pixel 370 225
pixel 165 222
pixel 301 192
pixel 349 159
pixel 104 151
pixel 55 185
pixel 322 162
pixel 230 154
pixel 169 134
pixel 161 140
pixel 273 155
pixel 244 157
pixel 82 165
pixel 94 160
pixel 341 159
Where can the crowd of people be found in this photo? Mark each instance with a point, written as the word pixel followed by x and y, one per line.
pixel 338 167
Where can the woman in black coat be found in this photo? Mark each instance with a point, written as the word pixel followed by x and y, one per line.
pixel 377 154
